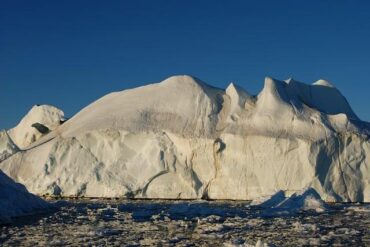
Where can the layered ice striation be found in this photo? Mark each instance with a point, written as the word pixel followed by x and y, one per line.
pixel 182 138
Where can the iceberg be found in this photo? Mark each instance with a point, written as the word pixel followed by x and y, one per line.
pixel 184 139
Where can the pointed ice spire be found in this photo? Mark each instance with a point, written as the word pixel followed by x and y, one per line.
pixel 237 95
pixel 274 90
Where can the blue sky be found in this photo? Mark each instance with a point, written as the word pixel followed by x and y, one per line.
pixel 69 53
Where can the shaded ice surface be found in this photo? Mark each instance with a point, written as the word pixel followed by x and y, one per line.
pixel 184 139
pixel 102 222
pixel 16 201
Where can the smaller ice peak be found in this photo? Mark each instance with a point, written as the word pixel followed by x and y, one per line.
pixel 187 83
pixel 182 79
pixel 270 82
pixel 47 115
pixel 290 80
pixel 238 96
pixel 324 83
pixel 320 82
pixel 274 88
pixel 321 96
pixel 37 122
pixel 273 98
pixel 236 89
pixel 329 100
pixel 185 80
pixel 231 87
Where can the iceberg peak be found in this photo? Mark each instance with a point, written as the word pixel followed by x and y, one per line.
pixel 185 79
pixel 44 117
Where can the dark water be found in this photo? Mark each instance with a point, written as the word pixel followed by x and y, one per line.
pixel 187 223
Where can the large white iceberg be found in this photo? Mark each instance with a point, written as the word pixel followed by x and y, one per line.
pixel 182 138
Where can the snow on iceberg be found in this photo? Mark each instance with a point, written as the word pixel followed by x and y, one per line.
pixel 16 201
pixel 184 139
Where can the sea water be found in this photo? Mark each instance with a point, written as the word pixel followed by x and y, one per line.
pixel 89 222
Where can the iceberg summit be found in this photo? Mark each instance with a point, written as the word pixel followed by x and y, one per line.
pixel 184 139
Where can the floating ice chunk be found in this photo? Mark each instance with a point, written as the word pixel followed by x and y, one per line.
pixel 270 200
pixel 304 200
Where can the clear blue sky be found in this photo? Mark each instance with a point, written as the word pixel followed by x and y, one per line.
pixel 69 53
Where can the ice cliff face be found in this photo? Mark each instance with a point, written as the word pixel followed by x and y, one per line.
pixel 182 138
